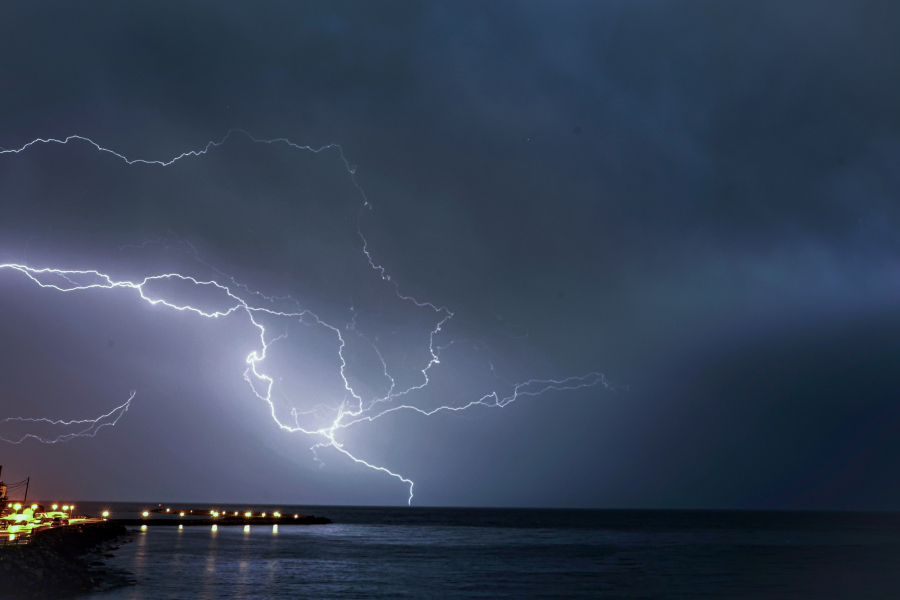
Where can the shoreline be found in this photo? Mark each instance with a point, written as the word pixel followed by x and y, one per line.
pixel 55 563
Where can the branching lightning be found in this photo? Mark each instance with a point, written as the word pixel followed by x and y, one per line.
pixel 86 427
pixel 243 303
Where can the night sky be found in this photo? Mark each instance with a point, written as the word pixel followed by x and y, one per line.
pixel 697 199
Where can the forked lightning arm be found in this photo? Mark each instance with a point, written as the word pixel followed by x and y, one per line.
pixel 89 427
pixel 241 303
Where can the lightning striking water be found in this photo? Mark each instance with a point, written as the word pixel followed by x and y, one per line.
pixel 244 302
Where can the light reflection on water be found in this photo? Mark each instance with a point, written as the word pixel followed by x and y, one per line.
pixel 333 561
pixel 580 555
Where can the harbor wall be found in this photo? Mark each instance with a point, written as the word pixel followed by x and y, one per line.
pixel 51 565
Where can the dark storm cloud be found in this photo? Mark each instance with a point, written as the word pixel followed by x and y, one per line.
pixel 733 185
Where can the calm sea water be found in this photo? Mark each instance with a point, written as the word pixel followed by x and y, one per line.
pixel 479 553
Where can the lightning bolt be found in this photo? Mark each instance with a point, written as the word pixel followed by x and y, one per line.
pixel 90 426
pixel 241 301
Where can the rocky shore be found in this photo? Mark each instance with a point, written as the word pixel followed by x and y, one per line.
pixel 55 565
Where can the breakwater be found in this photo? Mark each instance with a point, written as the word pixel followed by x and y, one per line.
pixel 226 521
pixel 52 565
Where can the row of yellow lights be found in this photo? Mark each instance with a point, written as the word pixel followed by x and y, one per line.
pixel 18 507
pixel 214 513
pixel 145 514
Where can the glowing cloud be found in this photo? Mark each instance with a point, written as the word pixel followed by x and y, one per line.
pixel 238 301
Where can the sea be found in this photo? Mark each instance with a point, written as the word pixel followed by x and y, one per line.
pixel 378 552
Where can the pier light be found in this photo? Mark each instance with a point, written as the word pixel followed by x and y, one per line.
pixel 248 514
pixel 145 514
pixel 65 507
pixel 277 514
pixel 296 516
pixel 235 513
pixel 55 506
pixel 105 514
pixel 181 514
pixel 168 509
pixel 34 507
pixel 264 514
pixel 17 506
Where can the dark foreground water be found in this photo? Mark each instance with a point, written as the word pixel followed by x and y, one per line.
pixel 477 553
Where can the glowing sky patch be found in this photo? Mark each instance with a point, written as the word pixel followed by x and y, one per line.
pixel 222 297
